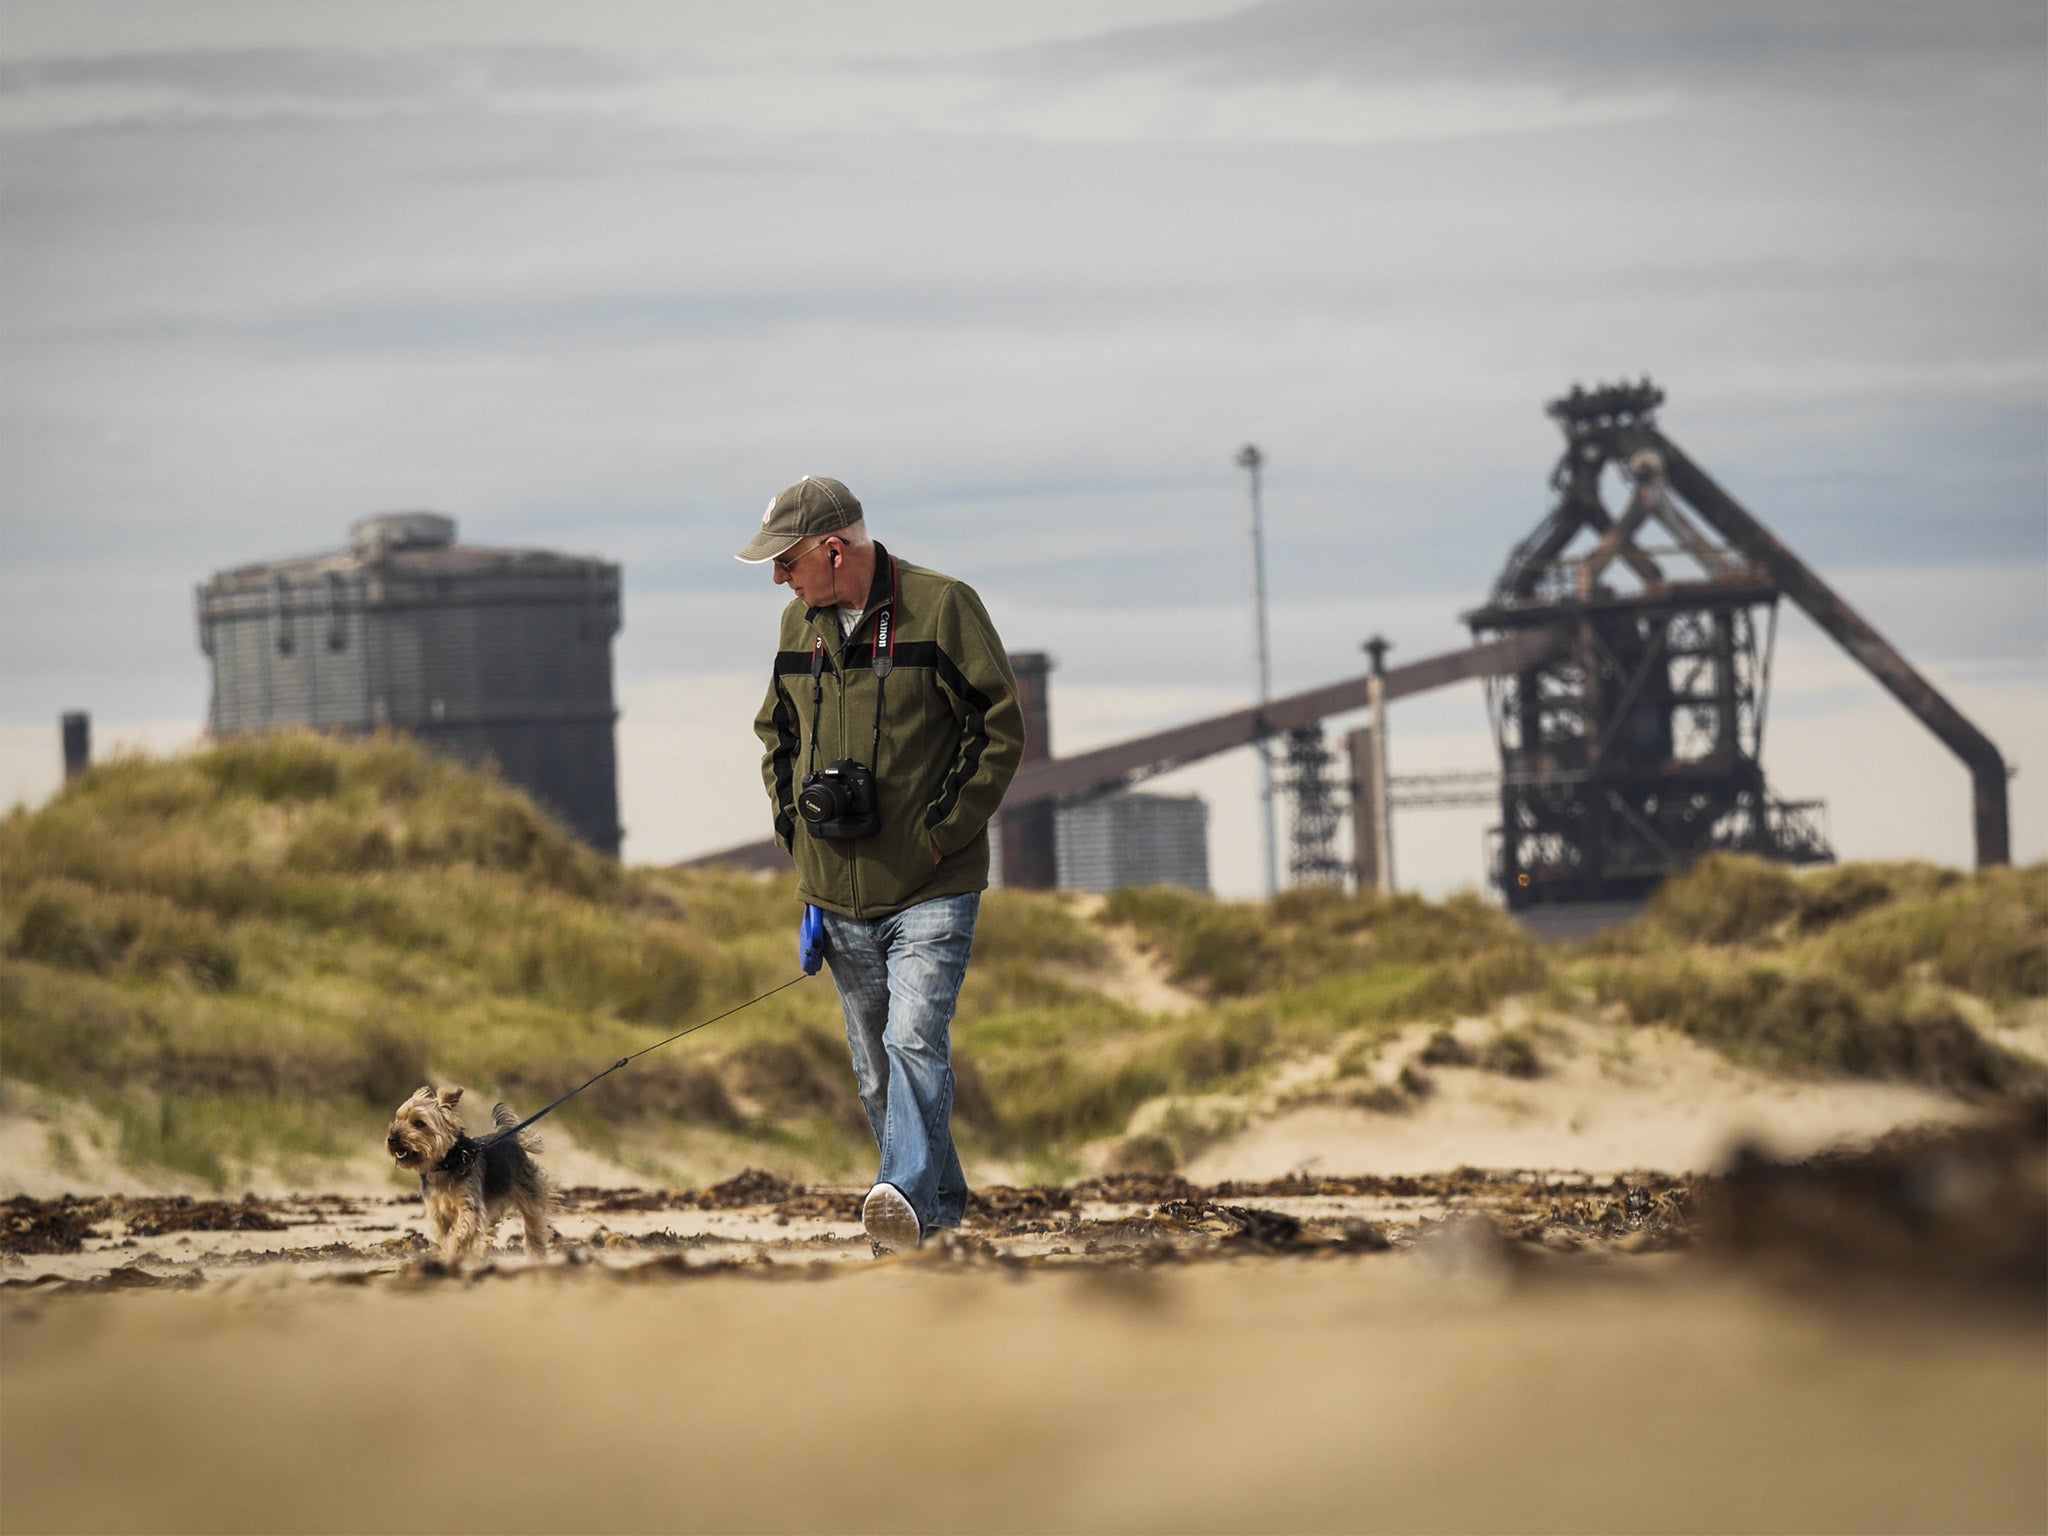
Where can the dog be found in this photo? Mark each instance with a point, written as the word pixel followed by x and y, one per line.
pixel 469 1186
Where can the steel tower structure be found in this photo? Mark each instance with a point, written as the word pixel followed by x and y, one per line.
pixel 1634 747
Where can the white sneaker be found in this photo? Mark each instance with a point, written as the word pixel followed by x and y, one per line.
pixel 890 1222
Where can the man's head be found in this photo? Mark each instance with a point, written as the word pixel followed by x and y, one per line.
pixel 807 535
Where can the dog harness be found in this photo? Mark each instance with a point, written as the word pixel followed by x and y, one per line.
pixel 460 1158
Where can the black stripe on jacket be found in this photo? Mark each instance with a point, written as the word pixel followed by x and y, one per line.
pixel 964 771
pixel 963 775
pixel 792 663
pixel 787 741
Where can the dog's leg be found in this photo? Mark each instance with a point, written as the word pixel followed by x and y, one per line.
pixel 440 1218
pixel 465 1226
pixel 533 1210
pixel 537 1205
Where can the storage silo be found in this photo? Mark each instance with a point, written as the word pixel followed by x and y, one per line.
pixel 1128 838
pixel 1027 849
pixel 500 655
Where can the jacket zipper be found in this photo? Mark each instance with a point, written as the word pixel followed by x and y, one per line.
pixel 852 853
pixel 846 645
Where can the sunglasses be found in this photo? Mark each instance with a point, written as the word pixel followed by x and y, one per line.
pixel 788 563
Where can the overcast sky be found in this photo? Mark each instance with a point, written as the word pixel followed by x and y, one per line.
pixel 604 277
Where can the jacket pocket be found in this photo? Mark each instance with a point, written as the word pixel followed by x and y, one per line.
pixel 824 867
pixel 896 863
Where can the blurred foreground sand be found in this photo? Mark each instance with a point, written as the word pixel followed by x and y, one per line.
pixel 1417 1390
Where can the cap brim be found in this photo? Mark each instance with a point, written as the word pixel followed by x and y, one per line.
pixel 763 547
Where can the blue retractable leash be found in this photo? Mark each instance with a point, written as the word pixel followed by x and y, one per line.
pixel 810 941
pixel 810 954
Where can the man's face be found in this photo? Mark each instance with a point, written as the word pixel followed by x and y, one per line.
pixel 810 571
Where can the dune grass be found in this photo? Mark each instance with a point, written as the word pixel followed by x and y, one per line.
pixel 254 951
pixel 1861 970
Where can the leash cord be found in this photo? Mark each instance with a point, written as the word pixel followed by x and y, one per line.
pixel 499 1136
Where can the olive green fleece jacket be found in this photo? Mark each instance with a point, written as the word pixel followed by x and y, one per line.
pixel 951 738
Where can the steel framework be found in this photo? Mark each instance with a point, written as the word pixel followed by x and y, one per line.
pixel 1318 810
pixel 1635 747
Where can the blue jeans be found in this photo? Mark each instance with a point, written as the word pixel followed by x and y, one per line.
pixel 899 979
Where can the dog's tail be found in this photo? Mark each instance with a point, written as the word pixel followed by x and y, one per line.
pixel 504 1119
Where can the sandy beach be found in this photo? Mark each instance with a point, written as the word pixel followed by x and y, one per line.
pixel 1421 1392
pixel 1809 1346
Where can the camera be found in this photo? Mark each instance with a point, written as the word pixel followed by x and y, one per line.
pixel 839 801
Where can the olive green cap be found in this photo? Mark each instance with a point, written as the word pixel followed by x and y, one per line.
pixel 814 505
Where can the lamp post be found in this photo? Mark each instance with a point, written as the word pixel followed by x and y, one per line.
pixel 1249 459
pixel 1382 807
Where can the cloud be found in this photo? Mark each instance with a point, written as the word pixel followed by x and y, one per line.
pixel 1822 46
pixel 255 84
pixel 1294 72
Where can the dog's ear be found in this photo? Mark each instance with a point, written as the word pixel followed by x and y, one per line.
pixel 423 1094
pixel 450 1097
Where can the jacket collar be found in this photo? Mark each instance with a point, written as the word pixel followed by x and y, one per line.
pixel 881 591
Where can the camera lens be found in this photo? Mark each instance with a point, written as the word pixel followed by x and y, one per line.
pixel 818 802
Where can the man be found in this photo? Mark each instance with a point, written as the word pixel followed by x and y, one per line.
pixel 888 672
